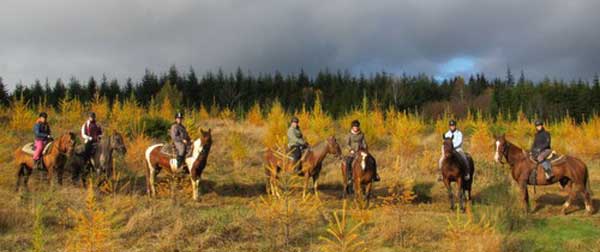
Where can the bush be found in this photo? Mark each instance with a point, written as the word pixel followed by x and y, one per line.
pixel 156 127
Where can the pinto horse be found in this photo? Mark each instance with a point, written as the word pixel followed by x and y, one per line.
pixel 364 168
pixel 453 171
pixel 157 161
pixel 54 160
pixel 311 161
pixel 569 171
pixel 101 161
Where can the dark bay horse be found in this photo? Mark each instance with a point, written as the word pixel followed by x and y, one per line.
pixel 364 168
pixel 453 171
pixel 311 161
pixel 569 171
pixel 101 161
pixel 157 161
pixel 54 160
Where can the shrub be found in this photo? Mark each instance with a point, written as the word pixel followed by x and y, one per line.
pixel 156 127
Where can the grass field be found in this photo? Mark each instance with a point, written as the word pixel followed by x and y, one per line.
pixel 410 211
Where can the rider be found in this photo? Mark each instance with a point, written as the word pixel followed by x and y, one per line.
pixel 541 149
pixel 355 141
pixel 91 133
pixel 41 130
pixel 296 143
pixel 180 139
pixel 457 141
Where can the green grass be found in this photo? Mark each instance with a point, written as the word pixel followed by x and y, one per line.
pixel 558 233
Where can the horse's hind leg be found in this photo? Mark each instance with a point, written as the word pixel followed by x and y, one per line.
pixel 460 194
pixel 26 175
pixel 20 174
pixel 368 192
pixel 587 199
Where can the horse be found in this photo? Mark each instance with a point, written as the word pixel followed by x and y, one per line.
pixel 157 161
pixel 453 171
pixel 568 171
pixel 311 161
pixel 101 161
pixel 54 160
pixel 364 168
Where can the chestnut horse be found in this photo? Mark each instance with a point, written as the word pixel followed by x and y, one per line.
pixel 453 171
pixel 364 168
pixel 157 160
pixel 54 160
pixel 569 171
pixel 311 161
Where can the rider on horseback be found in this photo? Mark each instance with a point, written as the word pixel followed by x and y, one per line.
pixel 180 139
pixel 41 130
pixel 541 149
pixel 296 143
pixel 91 133
pixel 355 141
pixel 457 140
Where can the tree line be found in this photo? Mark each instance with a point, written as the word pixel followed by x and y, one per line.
pixel 340 92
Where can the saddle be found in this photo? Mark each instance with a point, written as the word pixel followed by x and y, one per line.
pixel 554 158
pixel 169 150
pixel 29 148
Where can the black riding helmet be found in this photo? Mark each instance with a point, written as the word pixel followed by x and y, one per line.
pixel 295 119
pixel 452 123
pixel 179 115
pixel 44 115
pixel 539 122
pixel 92 115
pixel 355 123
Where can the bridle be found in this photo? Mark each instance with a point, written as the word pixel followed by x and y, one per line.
pixel 505 149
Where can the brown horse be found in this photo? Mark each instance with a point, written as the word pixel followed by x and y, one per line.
pixel 157 160
pixel 311 161
pixel 364 168
pixel 453 171
pixel 569 171
pixel 54 160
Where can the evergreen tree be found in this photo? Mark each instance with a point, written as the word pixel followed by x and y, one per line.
pixel 4 99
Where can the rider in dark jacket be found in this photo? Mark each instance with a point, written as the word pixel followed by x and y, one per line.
pixel 541 147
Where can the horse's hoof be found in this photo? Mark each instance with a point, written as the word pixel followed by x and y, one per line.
pixel 563 211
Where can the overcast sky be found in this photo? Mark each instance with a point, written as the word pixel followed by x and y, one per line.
pixel 63 38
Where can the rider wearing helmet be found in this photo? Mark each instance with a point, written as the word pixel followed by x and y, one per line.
pixel 296 143
pixel 355 141
pixel 541 149
pixel 91 133
pixel 457 141
pixel 41 130
pixel 180 139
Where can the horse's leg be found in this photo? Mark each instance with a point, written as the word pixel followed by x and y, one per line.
pixel 524 194
pixel 344 180
pixel 59 174
pixel 306 179
pixel 20 174
pixel 460 194
pixel 368 193
pixel 572 194
pixel 195 187
pixel 51 176
pixel 152 182
pixel 27 173
pixel 450 194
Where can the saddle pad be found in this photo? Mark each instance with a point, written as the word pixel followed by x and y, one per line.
pixel 554 158
pixel 169 150
pixel 29 148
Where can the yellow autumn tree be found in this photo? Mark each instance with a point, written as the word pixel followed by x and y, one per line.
pixel 276 126
pixel 92 231
pixel 254 116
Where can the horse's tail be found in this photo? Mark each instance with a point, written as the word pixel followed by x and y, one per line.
pixel 586 177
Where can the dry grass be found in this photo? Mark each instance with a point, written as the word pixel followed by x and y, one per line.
pixel 409 211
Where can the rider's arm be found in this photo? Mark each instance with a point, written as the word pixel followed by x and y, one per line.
pixel 38 133
pixel 174 134
pixel 548 140
pixel 83 134
pixel 349 142
pixel 300 138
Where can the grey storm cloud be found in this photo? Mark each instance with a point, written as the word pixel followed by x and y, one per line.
pixel 120 38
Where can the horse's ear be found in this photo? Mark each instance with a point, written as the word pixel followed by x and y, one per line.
pixel 443 137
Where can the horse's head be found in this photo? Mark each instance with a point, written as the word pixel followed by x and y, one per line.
pixel 66 143
pixel 333 147
pixel 118 143
pixel 501 148
pixel 206 140
pixel 448 146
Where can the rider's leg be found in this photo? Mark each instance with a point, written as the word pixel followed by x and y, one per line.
pixel 465 161
pixel 541 158
pixel 297 155
pixel 349 161
pixel 37 154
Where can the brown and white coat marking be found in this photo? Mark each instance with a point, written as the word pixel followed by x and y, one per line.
pixel 157 161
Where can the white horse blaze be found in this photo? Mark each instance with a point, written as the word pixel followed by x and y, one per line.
pixel 363 164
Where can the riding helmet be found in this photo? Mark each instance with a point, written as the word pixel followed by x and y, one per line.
pixel 179 115
pixel 355 123
pixel 92 115
pixel 538 122
pixel 452 123
pixel 43 114
pixel 295 119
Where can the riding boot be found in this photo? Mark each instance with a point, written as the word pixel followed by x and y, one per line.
pixel 297 156
pixel 349 170
pixel 180 163
pixel 547 169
